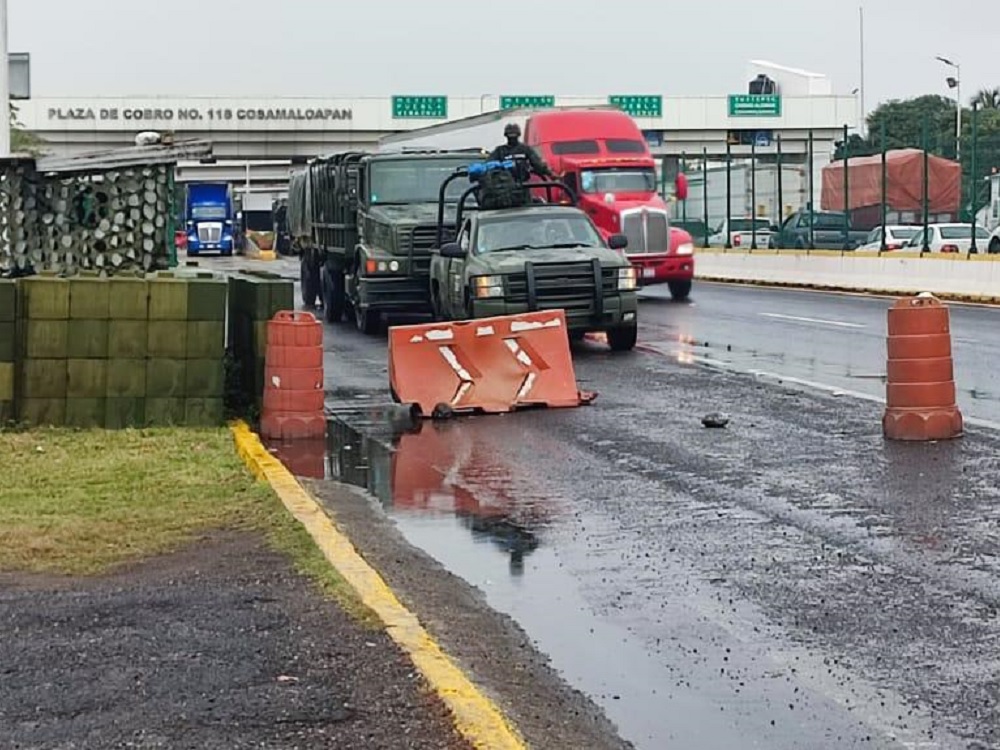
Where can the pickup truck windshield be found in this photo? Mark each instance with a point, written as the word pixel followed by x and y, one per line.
pixel 745 225
pixel 400 181
pixel 217 213
pixel 826 221
pixel 618 180
pixel 533 232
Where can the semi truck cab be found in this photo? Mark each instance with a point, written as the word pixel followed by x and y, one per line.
pixel 603 157
pixel 208 218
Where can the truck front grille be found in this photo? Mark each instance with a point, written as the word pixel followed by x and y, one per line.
pixel 647 231
pixel 569 286
pixel 209 232
pixel 417 242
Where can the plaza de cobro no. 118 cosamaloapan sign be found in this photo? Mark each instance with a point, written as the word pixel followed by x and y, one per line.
pixel 188 114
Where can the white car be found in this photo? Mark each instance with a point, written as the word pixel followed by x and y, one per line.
pixel 994 247
pixel 949 238
pixel 896 235
pixel 741 232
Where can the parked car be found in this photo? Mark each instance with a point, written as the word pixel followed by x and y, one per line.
pixel 827 232
pixel 949 238
pixel 896 236
pixel 741 231
pixel 994 247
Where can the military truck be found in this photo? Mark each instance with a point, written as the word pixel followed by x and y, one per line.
pixel 533 256
pixel 364 225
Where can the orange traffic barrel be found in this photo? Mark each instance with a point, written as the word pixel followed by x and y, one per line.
pixel 293 378
pixel 920 378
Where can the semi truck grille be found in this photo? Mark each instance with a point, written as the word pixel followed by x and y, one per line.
pixel 569 286
pixel 647 231
pixel 209 232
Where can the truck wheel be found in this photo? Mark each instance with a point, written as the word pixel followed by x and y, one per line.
pixel 679 290
pixel 367 321
pixel 333 295
pixel 623 338
pixel 994 246
pixel 309 279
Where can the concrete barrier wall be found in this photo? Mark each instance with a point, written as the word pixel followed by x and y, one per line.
pixel 973 278
pixel 145 350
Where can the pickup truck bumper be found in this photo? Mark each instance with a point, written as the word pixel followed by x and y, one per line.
pixel 659 269
pixel 618 310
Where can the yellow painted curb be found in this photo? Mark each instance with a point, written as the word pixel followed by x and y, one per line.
pixel 474 715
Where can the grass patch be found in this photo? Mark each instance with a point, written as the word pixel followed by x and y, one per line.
pixel 80 502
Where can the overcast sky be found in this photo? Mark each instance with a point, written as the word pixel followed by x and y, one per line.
pixel 381 47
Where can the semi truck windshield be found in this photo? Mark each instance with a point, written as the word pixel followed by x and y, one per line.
pixel 417 181
pixel 208 212
pixel 618 181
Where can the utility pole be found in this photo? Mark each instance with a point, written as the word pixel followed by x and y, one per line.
pixel 4 85
pixel 861 59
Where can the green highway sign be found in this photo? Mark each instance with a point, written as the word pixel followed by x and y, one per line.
pixel 754 105
pixel 512 101
pixel 426 107
pixel 642 105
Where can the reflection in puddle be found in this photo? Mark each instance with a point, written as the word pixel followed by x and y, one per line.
pixel 425 469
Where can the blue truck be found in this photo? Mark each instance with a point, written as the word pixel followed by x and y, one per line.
pixel 208 214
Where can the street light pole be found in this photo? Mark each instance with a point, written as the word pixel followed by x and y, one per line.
pixel 4 85
pixel 861 85
pixel 956 83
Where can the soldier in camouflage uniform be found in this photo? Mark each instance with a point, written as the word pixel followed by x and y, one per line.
pixel 513 147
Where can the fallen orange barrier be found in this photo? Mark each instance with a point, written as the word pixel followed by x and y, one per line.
pixel 920 379
pixel 493 365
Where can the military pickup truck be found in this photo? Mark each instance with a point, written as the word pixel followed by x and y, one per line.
pixel 827 232
pixel 538 256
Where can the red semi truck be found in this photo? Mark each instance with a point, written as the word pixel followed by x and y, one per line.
pixel 602 155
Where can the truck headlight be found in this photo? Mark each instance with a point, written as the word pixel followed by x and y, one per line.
pixel 487 286
pixel 626 279
pixel 686 249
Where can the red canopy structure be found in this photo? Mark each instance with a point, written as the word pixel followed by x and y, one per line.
pixel 905 182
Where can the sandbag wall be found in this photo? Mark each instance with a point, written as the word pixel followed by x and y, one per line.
pixel 8 350
pixel 124 351
pixel 254 298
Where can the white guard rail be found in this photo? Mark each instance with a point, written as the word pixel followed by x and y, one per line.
pixel 974 278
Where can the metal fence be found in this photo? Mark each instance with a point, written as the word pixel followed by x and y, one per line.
pixel 884 181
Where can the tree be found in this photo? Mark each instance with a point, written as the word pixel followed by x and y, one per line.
pixel 987 98
pixel 904 122
pixel 23 141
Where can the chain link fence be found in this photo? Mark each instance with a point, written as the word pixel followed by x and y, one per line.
pixel 817 201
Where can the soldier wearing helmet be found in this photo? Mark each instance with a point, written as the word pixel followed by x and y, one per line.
pixel 513 147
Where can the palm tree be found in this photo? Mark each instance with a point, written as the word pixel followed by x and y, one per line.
pixel 987 98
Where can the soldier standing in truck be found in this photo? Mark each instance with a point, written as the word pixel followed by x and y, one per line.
pixel 513 147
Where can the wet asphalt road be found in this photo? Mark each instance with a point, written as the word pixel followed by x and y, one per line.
pixel 791 581
pixel 836 340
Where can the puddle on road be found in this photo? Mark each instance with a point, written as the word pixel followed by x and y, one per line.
pixel 451 491
pixel 423 472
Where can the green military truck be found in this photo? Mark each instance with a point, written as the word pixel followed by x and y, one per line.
pixel 534 256
pixel 364 225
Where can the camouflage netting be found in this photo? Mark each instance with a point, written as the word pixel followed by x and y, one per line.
pixel 111 221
